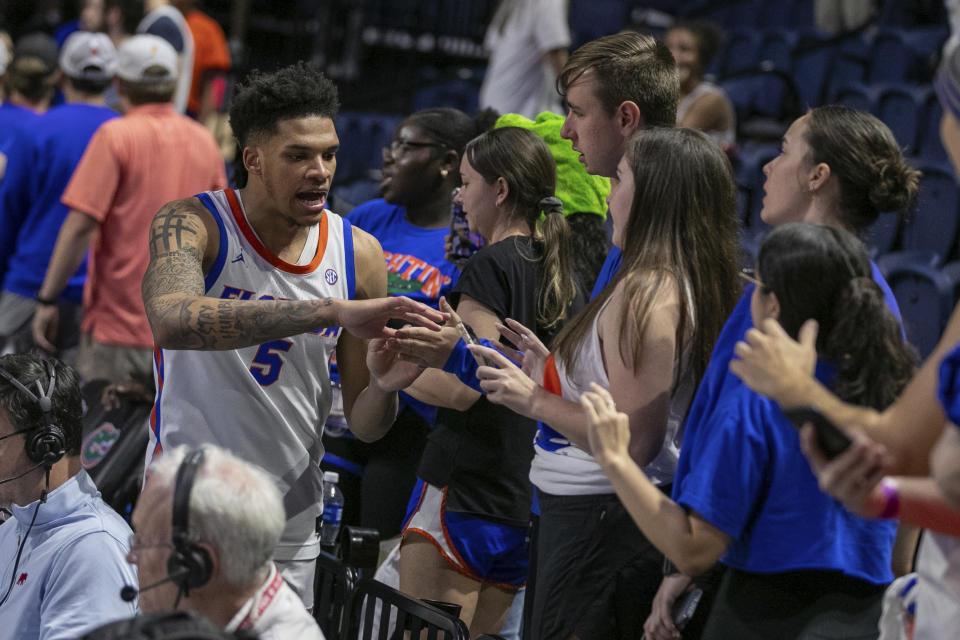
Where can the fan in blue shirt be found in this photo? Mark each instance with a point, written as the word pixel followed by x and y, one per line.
pixel 744 493
pixel 40 163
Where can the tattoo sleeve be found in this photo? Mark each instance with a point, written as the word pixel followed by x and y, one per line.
pixel 182 316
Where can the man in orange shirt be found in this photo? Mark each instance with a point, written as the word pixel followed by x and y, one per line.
pixel 211 60
pixel 132 166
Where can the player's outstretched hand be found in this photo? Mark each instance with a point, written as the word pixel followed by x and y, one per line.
pixel 425 347
pixel 388 371
pixel 368 318
pixel 775 365
pixel 609 429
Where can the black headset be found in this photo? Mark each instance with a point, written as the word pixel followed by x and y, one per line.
pixel 45 444
pixel 189 565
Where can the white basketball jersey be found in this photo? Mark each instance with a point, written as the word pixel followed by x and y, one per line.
pixel 266 403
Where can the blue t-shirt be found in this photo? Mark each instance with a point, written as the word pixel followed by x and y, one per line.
pixel 949 388
pixel 416 264
pixel 717 379
pixel 745 474
pixel 40 164
pixel 12 118
pixel 607 271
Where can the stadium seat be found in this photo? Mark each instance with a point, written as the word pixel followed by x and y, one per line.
pixel 929 147
pixel 925 295
pixel 368 133
pixel 591 19
pixel 881 236
pixel 856 96
pixel 849 66
pixel 933 226
pixel 811 61
pixel 777 46
pixel 459 94
pixel 891 57
pixel 898 107
pixel 740 51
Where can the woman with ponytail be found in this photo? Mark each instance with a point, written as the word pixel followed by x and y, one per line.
pixel 464 537
pixel 410 220
pixel 646 337
pixel 798 565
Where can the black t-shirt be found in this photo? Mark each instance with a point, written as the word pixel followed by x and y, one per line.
pixel 483 455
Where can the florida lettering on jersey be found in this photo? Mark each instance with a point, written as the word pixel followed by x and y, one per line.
pixel 408 274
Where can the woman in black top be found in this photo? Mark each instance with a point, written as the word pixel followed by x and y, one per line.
pixel 464 537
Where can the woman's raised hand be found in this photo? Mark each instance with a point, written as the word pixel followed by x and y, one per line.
pixel 609 429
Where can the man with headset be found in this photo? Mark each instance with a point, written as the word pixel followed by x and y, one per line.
pixel 207 524
pixel 61 548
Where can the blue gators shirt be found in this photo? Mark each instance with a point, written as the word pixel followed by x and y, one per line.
pixel 717 379
pixel 744 473
pixel 416 264
pixel 40 164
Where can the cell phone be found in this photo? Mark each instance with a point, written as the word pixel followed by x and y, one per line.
pixel 831 440
pixel 684 608
pixel 461 244
pixel 468 339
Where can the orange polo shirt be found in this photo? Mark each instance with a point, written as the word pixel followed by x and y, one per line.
pixel 132 167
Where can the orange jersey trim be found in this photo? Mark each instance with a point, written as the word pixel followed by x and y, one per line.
pixel 268 255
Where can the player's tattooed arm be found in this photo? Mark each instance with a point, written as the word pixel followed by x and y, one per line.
pixel 182 246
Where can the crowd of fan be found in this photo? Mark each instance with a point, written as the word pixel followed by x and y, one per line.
pixel 562 444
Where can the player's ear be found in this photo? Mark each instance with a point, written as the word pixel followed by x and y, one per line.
pixel 251 160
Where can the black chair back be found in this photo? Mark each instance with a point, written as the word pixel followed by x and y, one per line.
pixel 332 586
pixel 379 612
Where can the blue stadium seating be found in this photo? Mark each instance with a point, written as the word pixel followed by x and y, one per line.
pixel 925 295
pixel 891 57
pixel 777 46
pixel 898 106
pixel 933 226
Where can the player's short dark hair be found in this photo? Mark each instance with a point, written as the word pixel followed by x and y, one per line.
pixel 265 99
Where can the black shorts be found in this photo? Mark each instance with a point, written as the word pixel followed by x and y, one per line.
pixel 805 605
pixel 596 573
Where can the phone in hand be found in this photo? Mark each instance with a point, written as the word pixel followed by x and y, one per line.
pixel 831 440
pixel 685 607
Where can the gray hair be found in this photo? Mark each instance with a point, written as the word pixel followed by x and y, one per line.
pixel 234 506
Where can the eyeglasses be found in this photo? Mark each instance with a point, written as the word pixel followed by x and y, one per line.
pixel 136 544
pixel 401 147
pixel 750 275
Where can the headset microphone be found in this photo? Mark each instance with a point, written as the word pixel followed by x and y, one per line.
pixel 129 592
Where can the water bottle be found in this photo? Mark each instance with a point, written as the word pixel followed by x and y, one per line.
pixel 332 509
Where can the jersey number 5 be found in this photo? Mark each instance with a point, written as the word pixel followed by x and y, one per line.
pixel 267 362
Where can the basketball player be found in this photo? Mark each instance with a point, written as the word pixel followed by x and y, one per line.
pixel 249 292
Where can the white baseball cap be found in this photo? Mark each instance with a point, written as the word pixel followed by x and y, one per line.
pixel 141 52
pixel 88 56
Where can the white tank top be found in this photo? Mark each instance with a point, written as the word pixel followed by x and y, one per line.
pixel 562 468
pixel 266 403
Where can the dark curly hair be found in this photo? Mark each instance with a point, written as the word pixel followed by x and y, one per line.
pixel 66 409
pixel 824 273
pixel 265 99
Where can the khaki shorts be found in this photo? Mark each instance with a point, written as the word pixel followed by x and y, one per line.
pixel 113 362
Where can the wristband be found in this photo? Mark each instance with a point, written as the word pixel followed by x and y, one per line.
pixel 46 302
pixel 892 494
